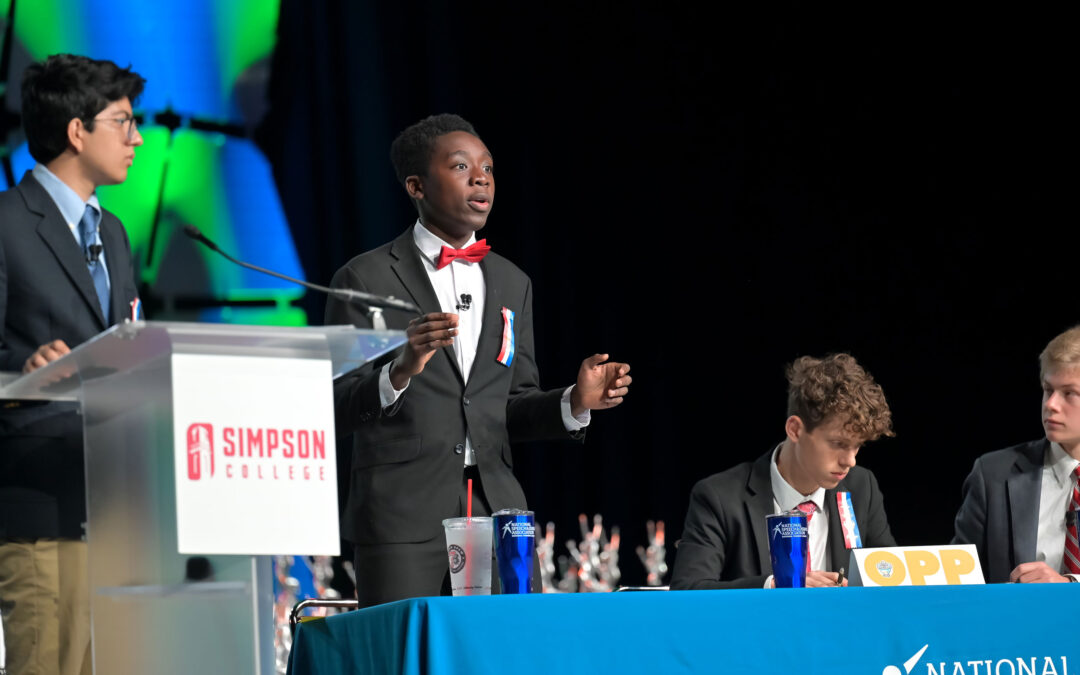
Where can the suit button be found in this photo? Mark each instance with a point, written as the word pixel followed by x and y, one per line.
pixel 465 400
pixel 458 449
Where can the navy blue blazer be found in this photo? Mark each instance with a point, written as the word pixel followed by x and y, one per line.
pixel 46 294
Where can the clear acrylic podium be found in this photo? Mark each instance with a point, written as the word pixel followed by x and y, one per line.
pixel 145 618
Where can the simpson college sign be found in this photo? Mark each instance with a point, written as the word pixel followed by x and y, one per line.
pixel 254 455
pixel 254 451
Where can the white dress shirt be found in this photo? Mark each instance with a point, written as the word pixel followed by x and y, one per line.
pixel 1057 488
pixel 450 283
pixel 787 498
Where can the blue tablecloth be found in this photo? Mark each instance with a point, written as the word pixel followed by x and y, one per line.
pixel 986 630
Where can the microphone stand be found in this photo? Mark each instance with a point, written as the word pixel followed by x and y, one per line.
pixel 372 304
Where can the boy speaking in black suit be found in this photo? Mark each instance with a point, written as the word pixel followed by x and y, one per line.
pixel 834 407
pixel 465 386
pixel 65 276
pixel 1021 504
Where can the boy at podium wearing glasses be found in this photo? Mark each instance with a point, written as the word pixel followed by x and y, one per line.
pixel 65 276
pixel 465 386
pixel 1021 504
pixel 834 408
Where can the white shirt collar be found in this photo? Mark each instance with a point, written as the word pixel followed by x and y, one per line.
pixel 69 203
pixel 1061 463
pixel 786 496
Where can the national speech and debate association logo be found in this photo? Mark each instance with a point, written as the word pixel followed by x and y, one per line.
pixel 908 665
pixel 1016 665
pixel 200 451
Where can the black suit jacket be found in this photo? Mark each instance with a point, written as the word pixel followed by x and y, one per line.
pixel 1000 511
pixel 725 541
pixel 407 460
pixel 46 293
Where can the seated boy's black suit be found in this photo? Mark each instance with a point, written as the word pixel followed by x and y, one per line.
pixel 1000 511
pixel 725 540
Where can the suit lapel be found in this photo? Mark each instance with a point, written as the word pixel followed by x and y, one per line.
pixel 57 236
pixel 1024 488
pixel 759 504
pixel 410 271
pixel 838 554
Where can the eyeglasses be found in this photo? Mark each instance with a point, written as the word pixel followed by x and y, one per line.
pixel 128 123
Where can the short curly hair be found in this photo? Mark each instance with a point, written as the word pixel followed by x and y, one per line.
pixel 1062 353
pixel 410 153
pixel 837 386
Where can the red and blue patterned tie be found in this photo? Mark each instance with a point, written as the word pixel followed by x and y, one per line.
pixel 809 509
pixel 1072 545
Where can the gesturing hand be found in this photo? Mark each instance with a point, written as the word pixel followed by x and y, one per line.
pixel 426 334
pixel 600 384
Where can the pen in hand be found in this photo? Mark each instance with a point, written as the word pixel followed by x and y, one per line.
pixel 840 577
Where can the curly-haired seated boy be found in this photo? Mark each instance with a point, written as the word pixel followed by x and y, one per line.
pixel 834 407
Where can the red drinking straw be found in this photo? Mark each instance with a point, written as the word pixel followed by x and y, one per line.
pixel 469 534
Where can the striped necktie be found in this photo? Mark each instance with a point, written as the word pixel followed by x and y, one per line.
pixel 1072 546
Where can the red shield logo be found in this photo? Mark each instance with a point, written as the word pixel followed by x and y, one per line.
pixel 200 451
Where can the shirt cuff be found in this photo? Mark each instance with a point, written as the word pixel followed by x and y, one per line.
pixel 569 421
pixel 387 394
pixel 769 582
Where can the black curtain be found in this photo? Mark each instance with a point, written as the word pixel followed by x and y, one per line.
pixel 709 193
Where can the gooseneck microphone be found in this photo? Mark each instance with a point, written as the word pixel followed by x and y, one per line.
pixel 346 294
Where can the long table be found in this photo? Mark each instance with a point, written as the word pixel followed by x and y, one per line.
pixel 1007 629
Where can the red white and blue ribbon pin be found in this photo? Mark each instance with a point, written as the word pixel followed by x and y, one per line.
pixel 506 353
pixel 847 520
pixel 136 309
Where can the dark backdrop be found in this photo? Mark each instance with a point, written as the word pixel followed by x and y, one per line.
pixel 708 193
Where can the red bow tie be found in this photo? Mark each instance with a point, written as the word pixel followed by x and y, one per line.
pixel 474 253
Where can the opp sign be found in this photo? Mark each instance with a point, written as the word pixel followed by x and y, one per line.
pixel 915 566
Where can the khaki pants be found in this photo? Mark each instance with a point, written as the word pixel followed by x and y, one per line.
pixel 45 607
